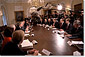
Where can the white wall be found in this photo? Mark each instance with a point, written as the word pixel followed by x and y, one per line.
pixel 1 21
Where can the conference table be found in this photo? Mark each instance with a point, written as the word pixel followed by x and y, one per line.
pixel 50 41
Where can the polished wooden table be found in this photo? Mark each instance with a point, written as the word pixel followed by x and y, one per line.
pixel 51 42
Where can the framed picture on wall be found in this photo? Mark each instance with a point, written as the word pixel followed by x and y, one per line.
pixel 19 15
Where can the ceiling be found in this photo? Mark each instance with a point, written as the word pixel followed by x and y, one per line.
pixel 25 1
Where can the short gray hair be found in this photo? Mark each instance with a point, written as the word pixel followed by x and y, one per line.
pixel 18 36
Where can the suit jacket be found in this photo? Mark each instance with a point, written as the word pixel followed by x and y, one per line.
pixel 57 25
pixel 68 28
pixel 41 22
pixel 78 32
pixel 18 28
pixel 54 15
pixel 50 23
pixel 12 49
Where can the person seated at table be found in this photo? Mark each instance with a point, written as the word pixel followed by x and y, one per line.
pixel 20 26
pixel 45 21
pixel 41 21
pixel 54 22
pixel 7 36
pixel 26 24
pixel 69 26
pixel 65 16
pixel 60 25
pixel 49 22
pixel 54 14
pixel 12 48
pixel 77 31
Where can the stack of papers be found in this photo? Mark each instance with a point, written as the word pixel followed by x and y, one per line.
pixel 26 43
pixel 74 42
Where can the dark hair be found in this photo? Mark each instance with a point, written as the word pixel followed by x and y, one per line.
pixel 8 32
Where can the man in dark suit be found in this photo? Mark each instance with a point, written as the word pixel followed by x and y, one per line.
pixel 49 22
pixel 77 31
pixel 54 22
pixel 20 26
pixel 54 15
pixel 72 17
pixel 60 25
pixel 69 26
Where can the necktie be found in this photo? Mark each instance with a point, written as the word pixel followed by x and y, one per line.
pixel 67 27
pixel 60 25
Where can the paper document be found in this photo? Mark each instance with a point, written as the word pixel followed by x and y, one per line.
pixel 34 42
pixel 74 42
pixel 61 32
pixel 27 31
pixel 39 54
pixel 46 52
pixel 77 42
pixel 26 43
pixel 53 28
pixel 47 26
pixel 26 35
pixel 76 53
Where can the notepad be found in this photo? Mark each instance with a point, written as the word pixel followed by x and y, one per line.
pixel 26 43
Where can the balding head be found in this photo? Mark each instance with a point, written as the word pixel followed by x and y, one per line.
pixel 18 36
pixel 12 26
